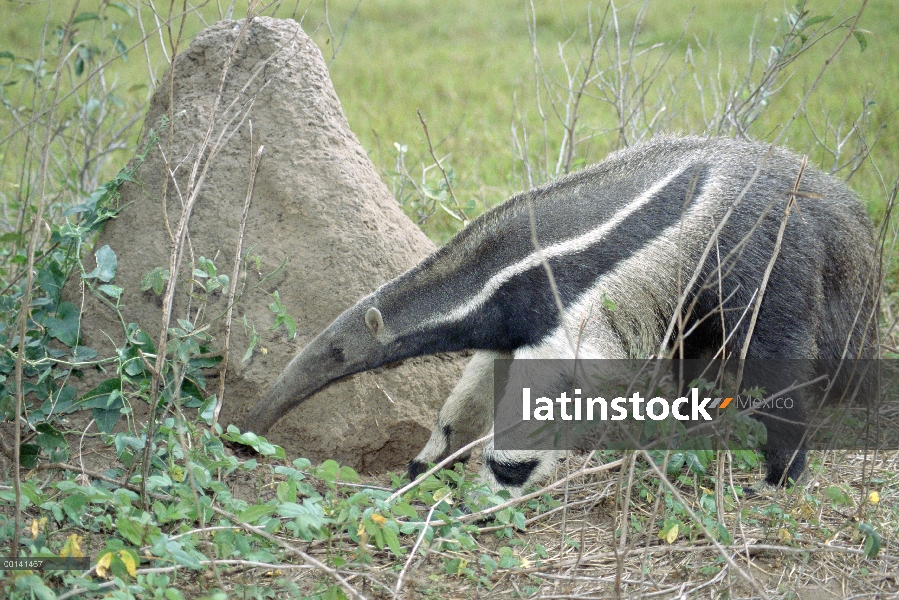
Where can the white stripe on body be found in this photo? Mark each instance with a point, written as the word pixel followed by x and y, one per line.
pixel 571 246
pixel 649 271
pixel 623 285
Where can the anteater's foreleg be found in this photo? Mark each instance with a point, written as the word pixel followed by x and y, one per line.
pixel 466 415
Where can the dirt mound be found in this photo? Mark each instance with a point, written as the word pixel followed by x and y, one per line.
pixel 318 203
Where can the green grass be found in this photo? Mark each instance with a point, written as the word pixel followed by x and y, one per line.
pixel 467 69
pixel 468 66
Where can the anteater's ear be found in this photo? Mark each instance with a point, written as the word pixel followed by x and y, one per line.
pixel 373 321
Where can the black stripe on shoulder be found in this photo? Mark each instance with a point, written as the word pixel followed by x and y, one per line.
pixel 525 305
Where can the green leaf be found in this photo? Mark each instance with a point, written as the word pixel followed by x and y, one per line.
pixel 518 520
pixel 254 513
pixel 106 265
pixel 113 291
pixel 694 462
pixel 33 587
pixel 308 514
pixel 99 396
pixel 862 40
pixel 207 409
pixel 28 454
pixel 85 16
pixel 191 394
pixel 258 443
pixel 106 418
pixel 123 7
pixel 141 339
pixel 52 442
pixel 392 541
pixel 51 278
pixel 181 557
pixel 286 491
pixel 328 471
pixel 155 280
pixel 872 540
pixel 489 564
pixel 838 496
pixel 130 361
pixel 349 475
pixel 64 327
pixel 121 48
pixel 61 402
pixel 818 19
pixel 10 56
pixel 254 339
pixel 129 529
pixel 205 362
pixel 334 592
pixel 404 509
pixel 74 507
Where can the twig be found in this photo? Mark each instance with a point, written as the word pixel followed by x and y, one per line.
pixel 722 552
pixel 421 536
pixel 536 494
pixel 249 564
pixel 23 315
pixel 449 188
pixel 351 591
pixel 437 467
pixel 767 275
pixel 232 289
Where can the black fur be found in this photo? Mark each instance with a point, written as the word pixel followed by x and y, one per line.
pixel 512 474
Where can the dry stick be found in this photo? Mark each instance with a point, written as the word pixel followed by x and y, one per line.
pixel 336 47
pixel 767 275
pixel 185 444
pixel 625 508
pixel 669 549
pixel 572 110
pixel 38 117
pixel 232 290
pixel 29 288
pixel 538 69
pixel 246 564
pixel 675 591
pixel 421 536
pixel 591 500
pixel 351 591
pixel 233 518
pixel 449 187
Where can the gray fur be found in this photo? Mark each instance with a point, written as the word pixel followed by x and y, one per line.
pixel 632 229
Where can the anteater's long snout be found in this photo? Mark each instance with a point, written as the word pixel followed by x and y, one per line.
pixel 295 384
pixel 349 345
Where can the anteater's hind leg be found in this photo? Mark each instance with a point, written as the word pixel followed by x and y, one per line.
pixel 466 415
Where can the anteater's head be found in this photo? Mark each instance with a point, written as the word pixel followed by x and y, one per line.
pixel 356 341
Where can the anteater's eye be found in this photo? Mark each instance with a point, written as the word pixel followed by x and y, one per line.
pixel 336 355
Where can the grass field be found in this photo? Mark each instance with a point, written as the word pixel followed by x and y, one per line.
pixel 469 68
pixel 470 71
